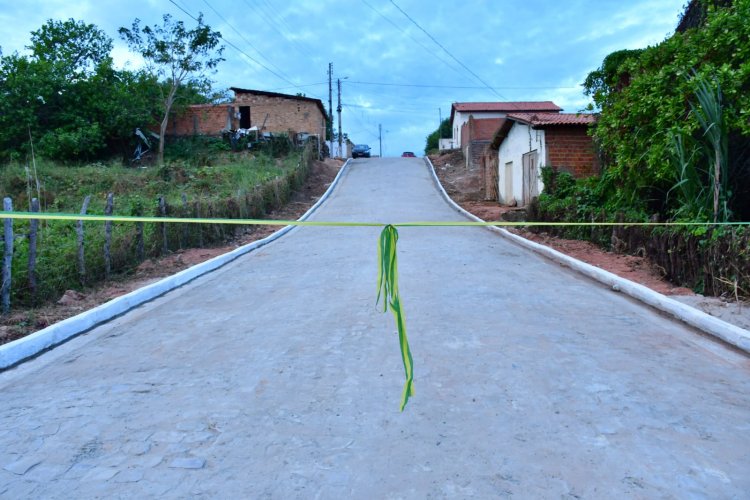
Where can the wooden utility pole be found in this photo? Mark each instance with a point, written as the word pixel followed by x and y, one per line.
pixel 338 109
pixel 330 100
pixel 440 125
pixel 380 138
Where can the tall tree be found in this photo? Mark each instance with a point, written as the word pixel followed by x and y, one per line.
pixel 176 54
pixel 75 47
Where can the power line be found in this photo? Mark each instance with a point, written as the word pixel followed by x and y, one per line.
pixel 239 49
pixel 268 11
pixel 427 86
pixel 242 36
pixel 447 51
pixel 399 28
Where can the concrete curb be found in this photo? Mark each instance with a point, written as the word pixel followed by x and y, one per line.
pixel 727 332
pixel 18 351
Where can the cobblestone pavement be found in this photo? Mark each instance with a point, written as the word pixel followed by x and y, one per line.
pixel 276 377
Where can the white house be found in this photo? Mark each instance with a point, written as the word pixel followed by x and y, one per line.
pixel 461 111
pixel 526 141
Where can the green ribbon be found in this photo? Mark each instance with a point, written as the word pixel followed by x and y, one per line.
pixel 387 255
pixel 388 290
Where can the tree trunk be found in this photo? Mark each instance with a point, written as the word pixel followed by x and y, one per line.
pixel 165 121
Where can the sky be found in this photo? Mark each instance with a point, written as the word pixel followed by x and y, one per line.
pixel 402 63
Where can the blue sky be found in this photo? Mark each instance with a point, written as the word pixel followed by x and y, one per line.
pixel 392 72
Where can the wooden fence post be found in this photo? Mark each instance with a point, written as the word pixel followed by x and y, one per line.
pixel 184 243
pixel 33 228
pixel 108 236
pixel 79 231
pixel 163 213
pixel 8 255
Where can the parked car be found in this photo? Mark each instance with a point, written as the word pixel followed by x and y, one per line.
pixel 361 151
pixel 408 154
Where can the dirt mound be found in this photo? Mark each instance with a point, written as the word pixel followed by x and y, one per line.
pixel 462 183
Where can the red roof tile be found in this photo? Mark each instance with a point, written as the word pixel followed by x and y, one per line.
pixel 507 107
pixel 549 119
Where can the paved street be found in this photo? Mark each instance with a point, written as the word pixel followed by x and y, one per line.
pixel 277 377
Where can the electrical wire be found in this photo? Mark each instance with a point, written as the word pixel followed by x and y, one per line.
pixel 243 38
pixel 426 86
pixel 479 79
pixel 403 31
pixel 269 12
pixel 280 77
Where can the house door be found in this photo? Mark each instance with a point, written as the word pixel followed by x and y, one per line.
pixel 508 191
pixel 244 116
pixel 530 177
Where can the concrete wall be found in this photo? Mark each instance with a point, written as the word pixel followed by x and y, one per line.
pixel 333 149
pixel 447 144
pixel 521 139
pixel 571 149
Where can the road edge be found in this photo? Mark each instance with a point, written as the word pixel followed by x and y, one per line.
pixel 729 333
pixel 23 349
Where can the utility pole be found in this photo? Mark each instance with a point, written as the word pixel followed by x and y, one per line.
pixel 330 99
pixel 338 109
pixel 440 125
pixel 380 138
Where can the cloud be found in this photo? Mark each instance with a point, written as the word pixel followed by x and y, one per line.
pixel 531 45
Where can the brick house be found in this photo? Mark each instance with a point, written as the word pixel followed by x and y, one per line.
pixel 269 111
pixel 526 141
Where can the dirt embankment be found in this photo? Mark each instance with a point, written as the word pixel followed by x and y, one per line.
pixel 634 268
pixel 21 322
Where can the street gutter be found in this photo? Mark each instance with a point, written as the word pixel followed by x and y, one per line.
pixel 729 333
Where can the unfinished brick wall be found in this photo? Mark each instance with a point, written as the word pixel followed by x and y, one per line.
pixel 571 149
pixel 200 119
pixel 284 115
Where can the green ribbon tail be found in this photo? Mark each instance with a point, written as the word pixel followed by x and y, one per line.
pixel 388 291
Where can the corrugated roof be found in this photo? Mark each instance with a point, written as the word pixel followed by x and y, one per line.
pixel 552 119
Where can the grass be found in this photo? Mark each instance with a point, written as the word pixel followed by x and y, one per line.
pixel 227 185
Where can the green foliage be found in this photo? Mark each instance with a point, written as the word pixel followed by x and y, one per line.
pixel 176 55
pixel 645 102
pixel 444 131
pixel 703 163
pixel 67 99
pixel 235 186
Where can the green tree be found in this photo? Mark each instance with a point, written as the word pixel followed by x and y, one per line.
pixel 648 98
pixel 76 48
pixel 177 55
pixel 67 97
pixel 443 132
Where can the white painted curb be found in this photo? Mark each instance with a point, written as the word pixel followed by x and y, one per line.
pixel 32 345
pixel 727 332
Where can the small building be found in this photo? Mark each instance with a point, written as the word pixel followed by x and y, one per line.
pixel 268 111
pixel 526 141
pixel 461 111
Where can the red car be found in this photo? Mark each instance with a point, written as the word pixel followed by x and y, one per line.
pixel 408 154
